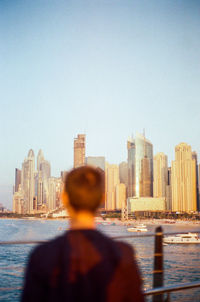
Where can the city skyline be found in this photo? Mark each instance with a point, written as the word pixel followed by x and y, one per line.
pixel 143 178
pixel 104 68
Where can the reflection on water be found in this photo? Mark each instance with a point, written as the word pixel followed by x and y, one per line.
pixel 182 262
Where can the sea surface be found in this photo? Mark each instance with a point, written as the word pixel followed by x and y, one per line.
pixel 181 262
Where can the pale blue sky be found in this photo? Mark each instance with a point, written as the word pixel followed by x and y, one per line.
pixel 106 68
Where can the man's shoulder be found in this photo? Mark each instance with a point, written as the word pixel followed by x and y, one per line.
pixel 120 248
pixel 127 251
pixel 48 250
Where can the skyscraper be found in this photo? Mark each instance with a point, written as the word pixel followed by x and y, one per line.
pixel 33 192
pixel 169 190
pixel 183 180
pixel 145 178
pixel 43 175
pixel 52 193
pixel 123 173
pixel 28 185
pixel 40 158
pixel 112 180
pixel 17 179
pixel 194 156
pixel 120 196
pixel 79 150
pixel 96 161
pixel 18 201
pixel 160 175
pixel 140 167
pixel 131 167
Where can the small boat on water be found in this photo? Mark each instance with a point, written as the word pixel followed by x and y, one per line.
pixel 138 228
pixel 182 239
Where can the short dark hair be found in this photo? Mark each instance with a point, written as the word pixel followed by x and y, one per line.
pixel 85 187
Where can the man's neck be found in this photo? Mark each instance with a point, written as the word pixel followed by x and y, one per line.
pixel 82 220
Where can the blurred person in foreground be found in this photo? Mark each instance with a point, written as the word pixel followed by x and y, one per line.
pixel 82 264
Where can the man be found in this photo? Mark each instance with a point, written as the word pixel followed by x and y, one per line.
pixel 82 264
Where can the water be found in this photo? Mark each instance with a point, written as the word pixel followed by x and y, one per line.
pixel 182 262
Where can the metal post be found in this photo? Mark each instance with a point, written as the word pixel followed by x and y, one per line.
pixel 158 263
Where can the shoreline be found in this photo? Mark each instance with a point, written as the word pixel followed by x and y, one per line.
pixel 118 221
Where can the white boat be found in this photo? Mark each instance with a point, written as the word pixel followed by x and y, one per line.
pixel 138 228
pixel 183 239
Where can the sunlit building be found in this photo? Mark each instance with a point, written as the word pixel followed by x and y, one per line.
pixel 131 167
pixel 96 161
pixel 17 179
pixel 160 175
pixel 120 196
pixel 112 180
pixel 199 186
pixel 40 158
pixel 194 156
pixel 140 167
pixel 39 189
pixel 27 180
pixel 183 179
pixel 169 191
pixel 123 173
pixel 42 177
pixel 52 193
pixel 18 201
pixel 79 150
pixel 146 204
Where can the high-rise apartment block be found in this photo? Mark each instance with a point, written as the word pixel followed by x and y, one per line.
pixel 28 183
pixel 18 201
pixel 120 196
pixel 169 190
pixel 140 167
pixel 40 158
pixel 32 186
pixel 160 175
pixel 194 156
pixel 79 150
pixel 123 173
pixel 198 205
pixel 112 180
pixel 96 161
pixel 131 167
pixel 52 193
pixel 183 180
pixel 17 179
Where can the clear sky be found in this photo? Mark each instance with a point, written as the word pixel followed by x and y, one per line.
pixel 108 68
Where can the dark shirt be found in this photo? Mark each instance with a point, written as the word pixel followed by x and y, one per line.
pixel 82 265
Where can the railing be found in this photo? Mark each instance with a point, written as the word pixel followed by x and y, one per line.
pixel 159 290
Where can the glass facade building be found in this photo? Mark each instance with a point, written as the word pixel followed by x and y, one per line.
pixel 140 167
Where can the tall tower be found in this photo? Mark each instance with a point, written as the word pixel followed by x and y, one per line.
pixel 96 161
pixel 40 158
pixel 194 156
pixel 183 180
pixel 140 167
pixel 112 180
pixel 17 179
pixel 120 196
pixel 123 174
pixel 131 167
pixel 145 178
pixel 160 175
pixel 79 150
pixel 28 184
pixel 44 173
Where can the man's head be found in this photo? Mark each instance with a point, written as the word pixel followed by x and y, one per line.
pixel 85 188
